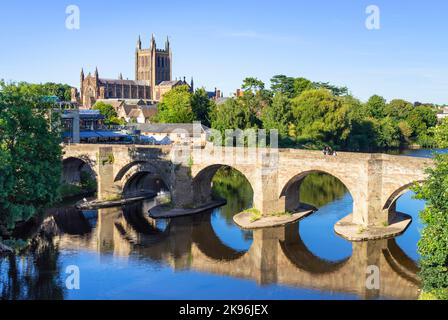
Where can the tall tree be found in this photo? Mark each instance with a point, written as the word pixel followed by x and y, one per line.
pixel 283 84
pixel 278 115
pixel 375 107
pixel 335 90
pixel 441 134
pixel 253 84
pixel 398 109
pixel 420 119
pixel 109 113
pixel 320 117
pixel 30 154
pixel 62 91
pixel 201 106
pixel 176 107
pixel 232 114
pixel 433 244
pixel 301 85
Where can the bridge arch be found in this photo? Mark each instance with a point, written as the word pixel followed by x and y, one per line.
pixel 203 182
pixel 289 194
pixel 393 197
pixel 74 168
pixel 142 176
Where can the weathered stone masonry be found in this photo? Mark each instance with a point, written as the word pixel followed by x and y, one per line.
pixel 375 181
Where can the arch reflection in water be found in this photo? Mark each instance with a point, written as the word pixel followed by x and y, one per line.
pixel 276 256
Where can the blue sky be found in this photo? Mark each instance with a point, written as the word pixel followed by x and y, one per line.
pixel 221 42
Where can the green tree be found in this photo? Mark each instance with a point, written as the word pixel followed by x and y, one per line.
pixel 387 133
pixel 321 118
pixel 201 106
pixel 441 134
pixel 233 114
pixel 301 85
pixel 405 130
pixel 62 91
pixel 335 90
pixel 398 109
pixel 253 84
pixel 176 107
pixel 30 154
pixel 375 107
pixel 433 244
pixel 362 131
pixel 109 113
pixel 421 119
pixel 283 84
pixel 278 115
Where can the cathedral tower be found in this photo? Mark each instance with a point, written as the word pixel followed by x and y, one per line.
pixel 153 65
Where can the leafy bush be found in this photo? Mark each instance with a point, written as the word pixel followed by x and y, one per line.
pixel 433 245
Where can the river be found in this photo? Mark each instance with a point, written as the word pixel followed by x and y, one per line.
pixel 123 254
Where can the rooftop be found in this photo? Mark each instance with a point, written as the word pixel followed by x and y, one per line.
pixel 125 82
pixel 170 127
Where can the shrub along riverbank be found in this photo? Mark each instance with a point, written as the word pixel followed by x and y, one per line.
pixel 433 245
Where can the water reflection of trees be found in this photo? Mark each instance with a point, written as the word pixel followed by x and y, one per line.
pixel 234 187
pixel 34 274
pixel 319 189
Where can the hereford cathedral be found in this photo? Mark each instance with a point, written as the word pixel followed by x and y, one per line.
pixel 153 78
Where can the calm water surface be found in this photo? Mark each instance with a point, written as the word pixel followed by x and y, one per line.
pixel 123 254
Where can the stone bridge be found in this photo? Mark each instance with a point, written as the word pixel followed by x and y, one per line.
pixel 276 255
pixel 375 181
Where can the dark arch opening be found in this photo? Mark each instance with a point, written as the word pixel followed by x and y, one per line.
pixel 78 178
pixel 144 182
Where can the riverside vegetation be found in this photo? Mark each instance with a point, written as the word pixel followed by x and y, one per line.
pixel 433 245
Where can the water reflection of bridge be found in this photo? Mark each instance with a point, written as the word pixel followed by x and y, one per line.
pixel 276 256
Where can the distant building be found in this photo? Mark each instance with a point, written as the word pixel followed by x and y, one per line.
pixel 75 121
pixel 153 78
pixel 215 95
pixel 176 132
pixel 90 120
pixel 142 114
pixel 443 114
